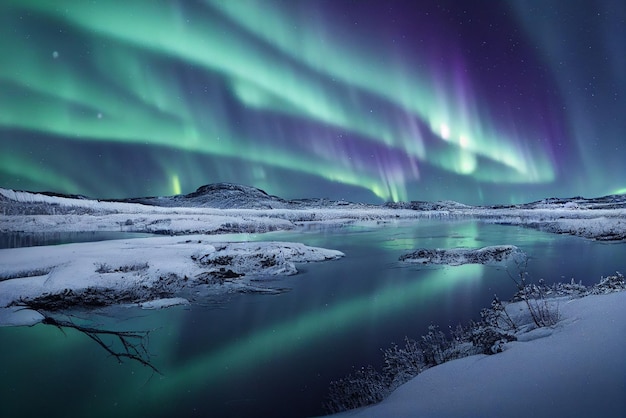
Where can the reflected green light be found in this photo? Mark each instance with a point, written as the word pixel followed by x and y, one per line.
pixel 449 235
pixel 292 334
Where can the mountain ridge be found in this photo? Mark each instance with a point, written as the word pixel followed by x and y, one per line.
pixel 225 195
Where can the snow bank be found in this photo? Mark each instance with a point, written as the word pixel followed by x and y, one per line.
pixel 143 269
pixel 91 204
pixel 495 254
pixel 159 223
pixel 598 224
pixel 602 228
pixel 575 369
pixel 603 218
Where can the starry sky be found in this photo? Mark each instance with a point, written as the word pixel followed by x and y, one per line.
pixel 479 102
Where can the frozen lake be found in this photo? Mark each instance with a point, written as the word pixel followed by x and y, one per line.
pixel 274 355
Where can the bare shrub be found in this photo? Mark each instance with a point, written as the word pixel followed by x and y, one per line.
pixel 533 295
pixel 104 268
pixel 364 387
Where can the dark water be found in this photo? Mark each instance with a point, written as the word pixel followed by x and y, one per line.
pixel 274 355
pixel 32 239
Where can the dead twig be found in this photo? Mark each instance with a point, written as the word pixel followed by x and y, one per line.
pixel 134 344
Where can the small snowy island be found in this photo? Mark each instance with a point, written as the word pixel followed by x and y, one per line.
pixel 141 271
pixel 494 254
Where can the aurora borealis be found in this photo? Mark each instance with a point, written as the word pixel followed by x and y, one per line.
pixel 480 102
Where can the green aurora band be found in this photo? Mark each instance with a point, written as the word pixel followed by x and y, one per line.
pixel 127 89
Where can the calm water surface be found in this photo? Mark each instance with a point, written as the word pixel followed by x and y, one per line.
pixel 31 239
pixel 274 355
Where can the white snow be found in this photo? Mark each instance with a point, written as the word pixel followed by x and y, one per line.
pixel 574 369
pixel 19 316
pixel 142 267
pixel 599 224
pixel 494 254
pixel 596 221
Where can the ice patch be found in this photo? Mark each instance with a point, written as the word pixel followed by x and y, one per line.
pixel 163 303
pixel 19 316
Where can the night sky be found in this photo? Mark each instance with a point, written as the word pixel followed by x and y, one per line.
pixel 474 101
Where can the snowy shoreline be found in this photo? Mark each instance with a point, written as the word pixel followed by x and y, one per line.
pixel 575 368
pixel 141 270
pixel 533 313
pixel 31 213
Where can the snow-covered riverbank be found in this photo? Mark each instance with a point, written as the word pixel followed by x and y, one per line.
pixel 575 369
pixel 141 270
pixel 32 212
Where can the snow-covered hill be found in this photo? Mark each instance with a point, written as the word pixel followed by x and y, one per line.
pixel 218 195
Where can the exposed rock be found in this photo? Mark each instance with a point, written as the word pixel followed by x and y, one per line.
pixel 456 256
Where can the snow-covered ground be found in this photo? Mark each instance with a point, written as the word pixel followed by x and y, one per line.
pixel 141 270
pixel 60 214
pixel 600 224
pixel 576 368
pixel 31 212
